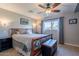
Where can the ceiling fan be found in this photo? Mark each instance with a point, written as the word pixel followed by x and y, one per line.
pixel 49 7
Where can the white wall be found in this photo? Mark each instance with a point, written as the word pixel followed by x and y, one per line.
pixel 71 31
pixel 12 20
pixel 37 26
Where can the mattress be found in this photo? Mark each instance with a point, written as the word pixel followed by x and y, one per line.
pixel 23 42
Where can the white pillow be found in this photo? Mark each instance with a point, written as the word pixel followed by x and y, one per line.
pixel 29 31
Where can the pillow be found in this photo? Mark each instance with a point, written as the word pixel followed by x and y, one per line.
pixel 23 31
pixel 29 31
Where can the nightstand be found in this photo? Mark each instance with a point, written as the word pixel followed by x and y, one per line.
pixel 5 44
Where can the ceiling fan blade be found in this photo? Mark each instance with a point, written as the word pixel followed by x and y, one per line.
pixel 55 5
pixel 40 12
pixel 42 6
pixel 55 10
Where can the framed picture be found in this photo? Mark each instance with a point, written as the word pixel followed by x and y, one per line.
pixel 73 21
pixel 24 21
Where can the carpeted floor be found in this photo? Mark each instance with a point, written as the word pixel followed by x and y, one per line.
pixel 63 50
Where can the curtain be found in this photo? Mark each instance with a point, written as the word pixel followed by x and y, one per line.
pixel 61 30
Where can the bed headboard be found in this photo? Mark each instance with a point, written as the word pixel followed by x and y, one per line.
pixel 19 30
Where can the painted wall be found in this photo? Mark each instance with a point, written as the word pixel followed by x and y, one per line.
pixel 37 26
pixel 71 31
pixel 11 20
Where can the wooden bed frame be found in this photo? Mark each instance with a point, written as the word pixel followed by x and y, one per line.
pixel 34 52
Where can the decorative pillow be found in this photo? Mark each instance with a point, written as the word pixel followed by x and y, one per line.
pixel 29 31
pixel 23 31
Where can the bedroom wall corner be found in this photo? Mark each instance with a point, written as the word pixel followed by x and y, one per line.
pixel 10 20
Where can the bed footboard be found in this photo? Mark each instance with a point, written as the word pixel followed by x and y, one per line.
pixel 36 44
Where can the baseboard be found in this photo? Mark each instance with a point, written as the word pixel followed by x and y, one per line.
pixel 72 44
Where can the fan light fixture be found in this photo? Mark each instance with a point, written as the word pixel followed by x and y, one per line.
pixel 48 10
pixel 49 7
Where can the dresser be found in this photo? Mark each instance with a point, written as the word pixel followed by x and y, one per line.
pixel 5 44
pixel 49 47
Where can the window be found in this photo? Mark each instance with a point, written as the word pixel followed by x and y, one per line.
pixel 50 25
pixel 55 25
pixel 47 25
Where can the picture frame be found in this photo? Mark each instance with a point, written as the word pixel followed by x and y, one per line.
pixel 73 21
pixel 24 21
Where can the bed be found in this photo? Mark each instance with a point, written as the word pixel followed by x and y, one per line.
pixel 29 44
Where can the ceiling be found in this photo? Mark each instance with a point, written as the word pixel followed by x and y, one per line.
pixel 32 9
